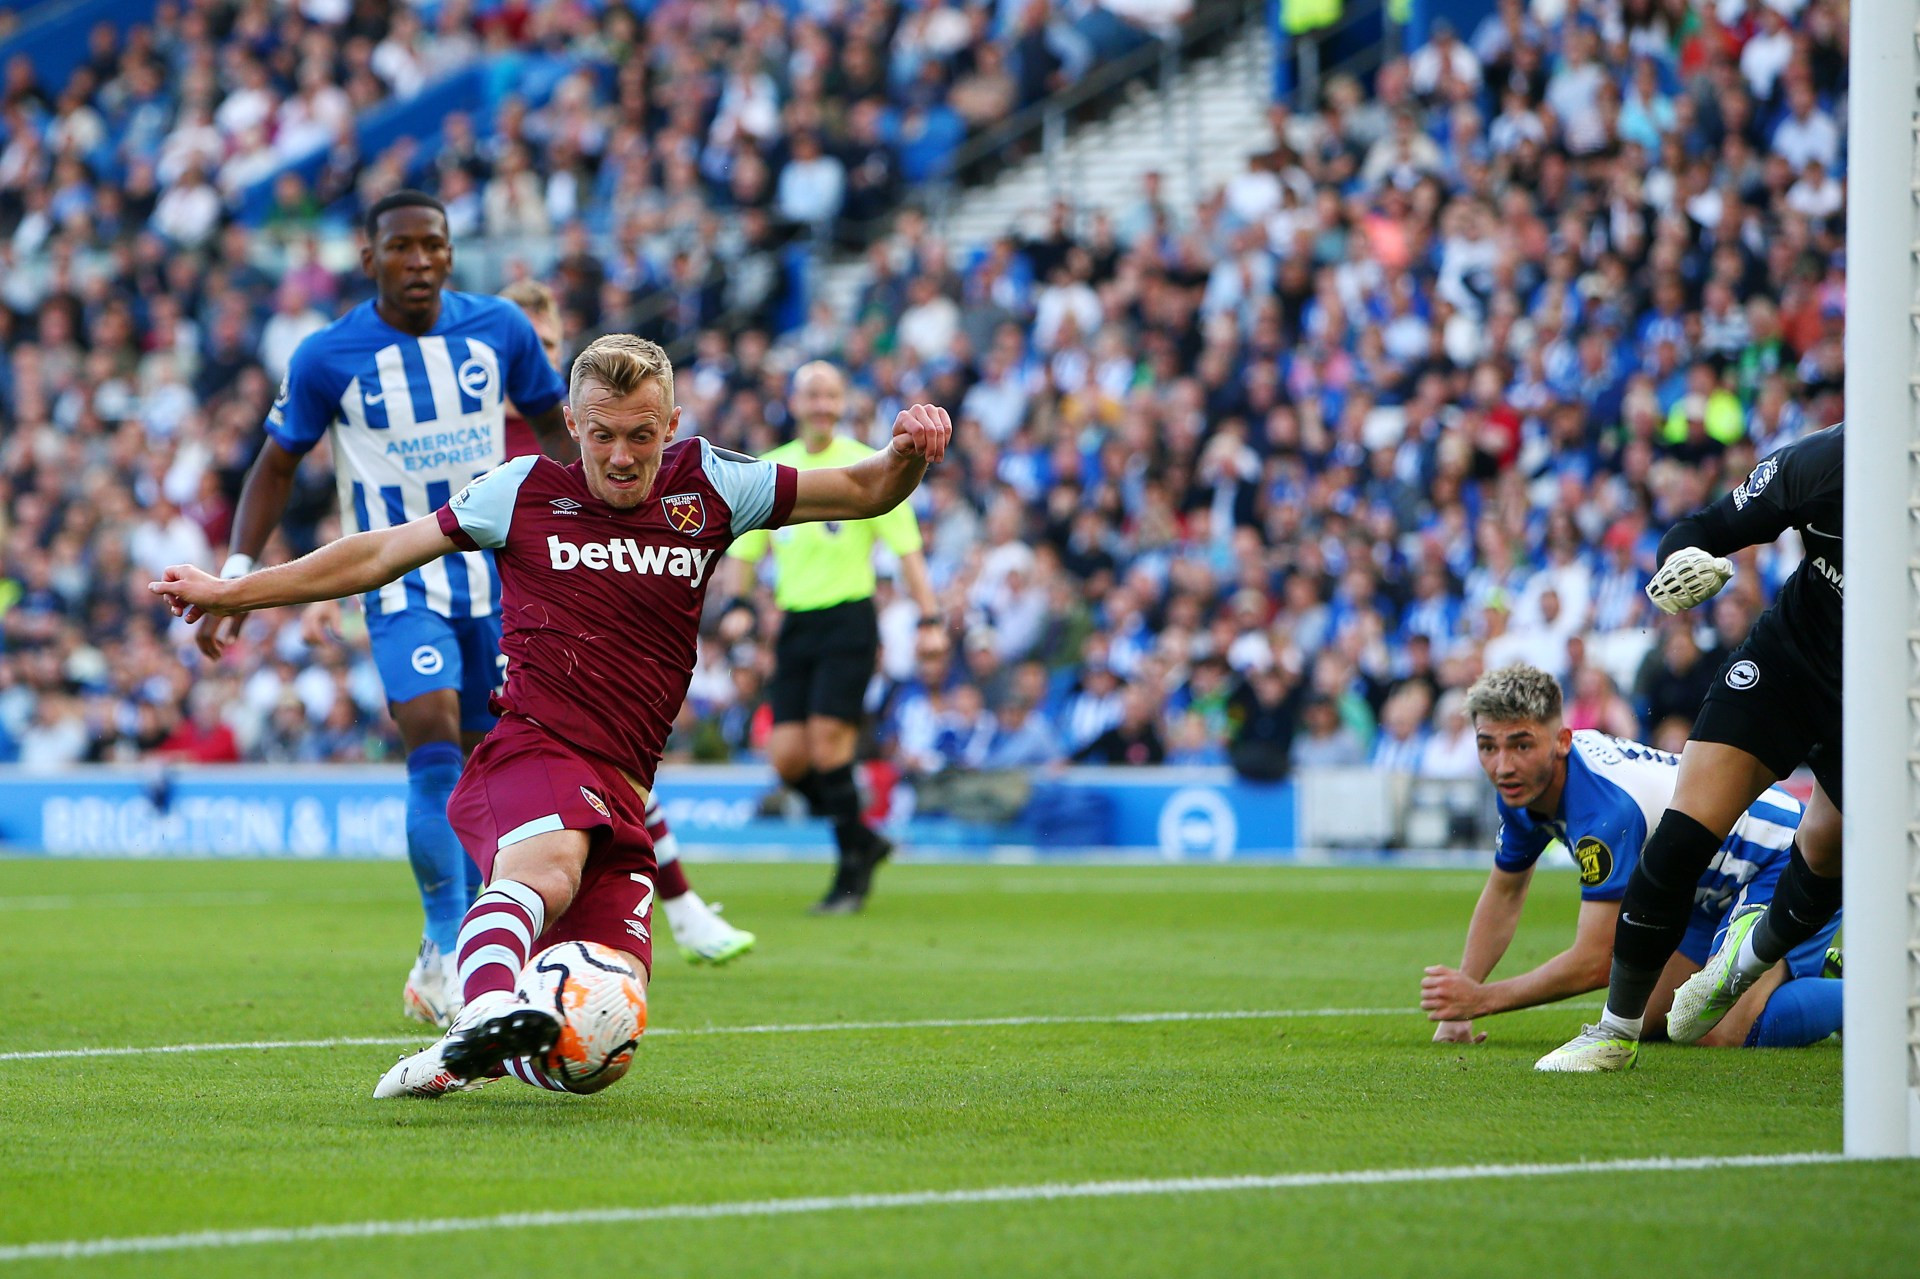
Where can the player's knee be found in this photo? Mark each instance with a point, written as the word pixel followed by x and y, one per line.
pixel 548 864
pixel 830 742
pixel 1716 784
pixel 1818 838
pixel 787 749
pixel 430 717
pixel 1675 857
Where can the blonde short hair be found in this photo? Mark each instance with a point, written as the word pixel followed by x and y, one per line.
pixel 531 296
pixel 621 362
pixel 1515 694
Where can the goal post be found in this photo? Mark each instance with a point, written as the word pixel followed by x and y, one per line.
pixel 1881 734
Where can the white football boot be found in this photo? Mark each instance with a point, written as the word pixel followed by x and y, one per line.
pixel 1710 994
pixel 493 1029
pixel 426 995
pixel 1594 1050
pixel 704 937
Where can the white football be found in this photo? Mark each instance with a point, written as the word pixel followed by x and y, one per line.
pixel 602 1008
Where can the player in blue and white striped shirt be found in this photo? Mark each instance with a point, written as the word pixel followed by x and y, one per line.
pixel 412 389
pixel 1599 797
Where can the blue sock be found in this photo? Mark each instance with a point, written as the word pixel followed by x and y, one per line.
pixel 440 866
pixel 1800 1013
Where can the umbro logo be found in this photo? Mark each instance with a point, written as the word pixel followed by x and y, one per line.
pixel 564 505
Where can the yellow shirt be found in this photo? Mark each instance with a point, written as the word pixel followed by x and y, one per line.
pixel 820 565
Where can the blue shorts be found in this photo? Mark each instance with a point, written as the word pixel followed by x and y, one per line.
pixel 418 651
pixel 1705 933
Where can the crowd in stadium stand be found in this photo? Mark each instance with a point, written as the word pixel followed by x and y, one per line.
pixel 1262 483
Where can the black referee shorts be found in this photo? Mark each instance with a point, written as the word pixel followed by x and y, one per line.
pixel 823 661
pixel 1769 704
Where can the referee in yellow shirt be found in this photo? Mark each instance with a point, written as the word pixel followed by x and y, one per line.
pixel 830 636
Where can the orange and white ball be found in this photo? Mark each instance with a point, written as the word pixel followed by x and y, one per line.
pixel 603 1012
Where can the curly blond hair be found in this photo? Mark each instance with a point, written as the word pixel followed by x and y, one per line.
pixel 1515 693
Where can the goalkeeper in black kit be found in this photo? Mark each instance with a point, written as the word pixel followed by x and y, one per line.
pixel 1776 706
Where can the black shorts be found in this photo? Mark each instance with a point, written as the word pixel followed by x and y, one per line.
pixel 823 662
pixel 1770 705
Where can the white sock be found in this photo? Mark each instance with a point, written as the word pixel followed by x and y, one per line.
pixel 1625 1027
pixel 1746 963
pixel 684 912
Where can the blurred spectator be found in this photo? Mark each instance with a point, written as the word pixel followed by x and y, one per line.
pixel 1674 679
pixel 1021 737
pixel 1327 741
pixel 1135 739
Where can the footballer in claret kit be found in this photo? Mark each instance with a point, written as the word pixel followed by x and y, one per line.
pixel 604 566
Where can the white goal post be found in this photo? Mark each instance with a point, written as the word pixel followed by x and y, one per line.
pixel 1881 736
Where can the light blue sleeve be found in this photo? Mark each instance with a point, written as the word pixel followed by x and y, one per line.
pixel 482 512
pixel 748 485
pixel 1608 830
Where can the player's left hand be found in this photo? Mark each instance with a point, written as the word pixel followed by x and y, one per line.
pixel 922 431
pixel 192 593
pixel 1447 994
pixel 1689 577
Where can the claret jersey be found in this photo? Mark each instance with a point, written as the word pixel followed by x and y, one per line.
pixel 600 607
pixel 1615 793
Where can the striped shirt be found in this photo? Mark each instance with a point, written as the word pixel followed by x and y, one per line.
pixel 413 420
pixel 1615 794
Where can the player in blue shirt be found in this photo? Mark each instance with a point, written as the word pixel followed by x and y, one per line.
pixel 412 389
pixel 1599 796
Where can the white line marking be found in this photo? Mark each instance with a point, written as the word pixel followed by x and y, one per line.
pixel 803 1028
pixel 1174 887
pixel 75 1248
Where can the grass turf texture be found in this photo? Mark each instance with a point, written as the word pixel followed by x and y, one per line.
pixel 129 953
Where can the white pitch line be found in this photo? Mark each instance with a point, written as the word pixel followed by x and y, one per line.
pixel 804 1028
pixel 71 1249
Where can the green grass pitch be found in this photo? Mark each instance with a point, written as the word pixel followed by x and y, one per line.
pixel 145 954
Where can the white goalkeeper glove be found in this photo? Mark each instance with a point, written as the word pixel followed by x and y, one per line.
pixel 1689 576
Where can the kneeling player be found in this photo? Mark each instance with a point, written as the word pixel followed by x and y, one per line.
pixel 603 568
pixel 1600 796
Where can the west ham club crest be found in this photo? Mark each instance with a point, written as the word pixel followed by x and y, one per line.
pixel 685 513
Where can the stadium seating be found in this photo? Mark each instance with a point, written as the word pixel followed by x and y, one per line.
pixel 1262 481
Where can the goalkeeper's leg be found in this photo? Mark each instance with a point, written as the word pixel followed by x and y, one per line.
pixel 1717 782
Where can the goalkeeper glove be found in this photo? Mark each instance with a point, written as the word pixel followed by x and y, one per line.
pixel 1689 576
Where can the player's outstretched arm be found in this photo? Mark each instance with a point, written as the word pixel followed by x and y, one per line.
pixel 1692 557
pixel 1582 967
pixel 1451 996
pixel 350 566
pixel 875 485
